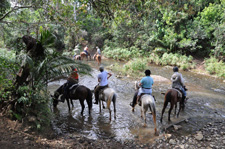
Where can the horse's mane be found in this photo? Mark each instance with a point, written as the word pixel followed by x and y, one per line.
pixel 59 90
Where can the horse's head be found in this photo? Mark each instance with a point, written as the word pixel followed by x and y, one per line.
pixel 55 99
pixel 56 95
pixel 136 85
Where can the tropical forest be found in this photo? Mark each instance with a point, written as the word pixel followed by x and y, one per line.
pixel 42 42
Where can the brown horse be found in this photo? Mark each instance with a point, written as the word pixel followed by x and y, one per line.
pixel 173 96
pixel 98 58
pixel 83 55
pixel 77 92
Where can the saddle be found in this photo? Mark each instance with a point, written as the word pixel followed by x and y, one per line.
pixel 101 91
pixel 74 86
pixel 180 94
pixel 139 102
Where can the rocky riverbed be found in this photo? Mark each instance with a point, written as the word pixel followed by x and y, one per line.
pixel 211 136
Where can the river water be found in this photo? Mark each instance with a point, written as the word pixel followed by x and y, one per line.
pixel 206 102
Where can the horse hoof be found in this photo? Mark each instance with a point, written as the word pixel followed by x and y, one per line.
pixel 150 112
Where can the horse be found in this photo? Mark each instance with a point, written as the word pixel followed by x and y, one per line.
pixel 173 96
pixel 98 58
pixel 83 55
pixel 108 95
pixel 79 92
pixel 147 102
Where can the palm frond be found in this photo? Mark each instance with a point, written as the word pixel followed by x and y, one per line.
pixel 25 59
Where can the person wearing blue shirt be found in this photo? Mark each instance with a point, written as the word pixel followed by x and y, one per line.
pixel 145 87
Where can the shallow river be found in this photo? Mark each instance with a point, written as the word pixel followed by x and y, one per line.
pixel 206 102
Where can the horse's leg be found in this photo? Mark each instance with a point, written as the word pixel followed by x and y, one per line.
pixel 144 116
pixel 154 120
pixel 100 110
pixel 141 112
pixel 171 107
pixel 103 106
pixel 110 117
pixel 175 109
pixel 72 102
pixel 163 110
pixel 82 105
pixel 114 105
pixel 68 103
pixel 179 109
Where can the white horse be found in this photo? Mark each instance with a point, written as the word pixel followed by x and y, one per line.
pixel 108 95
pixel 147 102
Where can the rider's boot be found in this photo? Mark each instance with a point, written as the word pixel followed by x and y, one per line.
pixel 138 100
pixel 183 102
pixel 154 97
pixel 96 99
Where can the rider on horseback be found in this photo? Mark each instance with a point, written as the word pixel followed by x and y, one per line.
pixel 76 51
pixel 103 82
pixel 71 80
pixel 98 51
pixel 178 82
pixel 86 50
pixel 146 87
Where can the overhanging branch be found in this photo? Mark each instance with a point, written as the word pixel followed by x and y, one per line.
pixel 13 9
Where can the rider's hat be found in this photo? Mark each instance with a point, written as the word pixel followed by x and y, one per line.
pixel 75 69
pixel 101 68
pixel 175 69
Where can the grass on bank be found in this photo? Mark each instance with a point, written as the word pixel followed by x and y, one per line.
pixel 137 64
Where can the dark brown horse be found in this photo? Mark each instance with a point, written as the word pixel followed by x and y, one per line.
pixel 173 96
pixel 98 58
pixel 78 92
pixel 83 55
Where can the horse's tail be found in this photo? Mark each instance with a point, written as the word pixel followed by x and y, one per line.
pixel 111 97
pixel 152 106
pixel 109 101
pixel 114 97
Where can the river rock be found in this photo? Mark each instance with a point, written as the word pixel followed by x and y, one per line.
pixel 181 146
pixel 167 136
pixel 172 141
pixel 176 127
pixel 199 136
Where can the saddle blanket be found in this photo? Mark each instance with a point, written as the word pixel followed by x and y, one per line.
pixel 179 92
pixel 73 86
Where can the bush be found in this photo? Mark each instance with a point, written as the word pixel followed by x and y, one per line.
pixel 213 66
pixel 136 64
pixel 117 53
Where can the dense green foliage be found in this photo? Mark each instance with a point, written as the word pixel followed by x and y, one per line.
pixel 193 27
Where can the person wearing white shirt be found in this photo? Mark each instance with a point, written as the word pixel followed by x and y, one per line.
pixel 103 82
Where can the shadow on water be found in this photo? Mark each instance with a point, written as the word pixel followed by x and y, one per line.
pixel 206 102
